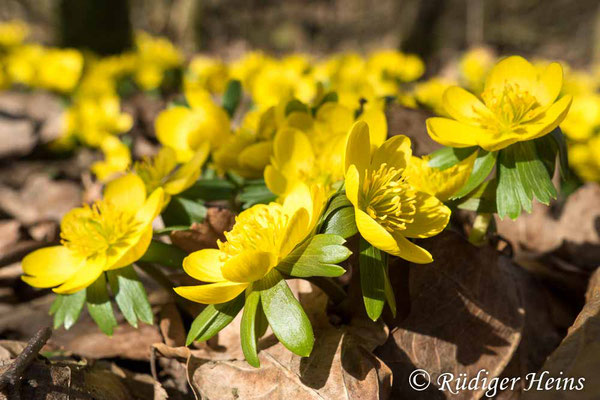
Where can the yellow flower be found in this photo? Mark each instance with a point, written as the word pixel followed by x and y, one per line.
pixel 439 183
pixel 388 209
pixel 207 73
pixel 59 69
pixel 583 118
pixel 155 56
pixel 12 33
pixel 519 104
pixel 186 129
pixel 430 94
pixel 117 159
pixel 474 66
pixel 312 150
pixel 262 236
pixel 22 62
pixel 163 171
pixel 110 234
pixel 393 65
pixel 585 159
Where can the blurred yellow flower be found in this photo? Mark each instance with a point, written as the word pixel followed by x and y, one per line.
pixel 155 55
pixel 60 69
pixel 585 159
pixel 388 209
pixel 117 159
pixel 185 129
pixel 110 234
pixel 519 104
pixel 262 236
pixel 439 183
pixel 583 118
pixel 431 92
pixel 13 33
pixel 474 66
pixel 207 73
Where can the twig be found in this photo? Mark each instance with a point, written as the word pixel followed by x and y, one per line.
pixel 13 375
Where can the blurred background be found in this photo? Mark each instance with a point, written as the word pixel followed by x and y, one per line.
pixel 434 29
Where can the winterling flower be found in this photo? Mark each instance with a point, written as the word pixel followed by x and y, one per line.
pixel 117 158
pixel 262 236
pixel 389 210
pixel 518 104
pixel 185 129
pixel 110 234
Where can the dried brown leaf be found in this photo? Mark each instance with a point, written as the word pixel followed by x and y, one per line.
pixel 204 235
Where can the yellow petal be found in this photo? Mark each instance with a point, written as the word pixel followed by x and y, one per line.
pixel 50 266
pixel 377 122
pixel 188 173
pixel 204 265
pixel 550 84
pixel 298 198
pixel 352 185
pixel 550 120
pixel 256 156
pixel 248 266
pixel 275 181
pixel 453 133
pixel 292 149
pixel 410 251
pixel 127 192
pixel 197 97
pixel 151 208
pixel 462 105
pixel 131 252
pixel 513 69
pixel 358 147
pixel 374 233
pixel 395 152
pixel 213 293
pixel 297 230
pixel 173 129
pixel 431 217
pixel 84 277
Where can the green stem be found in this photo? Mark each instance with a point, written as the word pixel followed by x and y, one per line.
pixel 164 254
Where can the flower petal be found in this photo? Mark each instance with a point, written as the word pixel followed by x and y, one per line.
pixel 513 69
pixel 431 217
pixel 462 105
pixel 296 231
pixel 50 266
pixel 453 133
pixel 374 233
pixel 189 172
pixel 275 180
pixel 358 147
pixel 248 266
pixel 410 251
pixel 151 207
pixel 256 156
pixel 130 252
pixel 550 84
pixel 352 184
pixel 213 293
pixel 377 122
pixel 395 152
pixel 84 277
pixel 127 192
pixel 204 265
pixel 173 129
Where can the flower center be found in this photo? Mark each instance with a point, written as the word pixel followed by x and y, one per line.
pixel 261 227
pixel 388 198
pixel 510 108
pixel 90 231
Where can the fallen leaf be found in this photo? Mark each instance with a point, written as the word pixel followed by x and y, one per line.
pixel 17 137
pixel 171 326
pixel 465 315
pixel 204 235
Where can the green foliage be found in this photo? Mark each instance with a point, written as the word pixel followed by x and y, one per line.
pixel 255 192
pixel 248 328
pixel 372 264
pixel 214 318
pixel 447 157
pixel 232 96
pixel 318 256
pixel 483 166
pixel 66 309
pixel 99 306
pixel 130 295
pixel 210 190
pixel 182 211
pixel 338 218
pixel 164 254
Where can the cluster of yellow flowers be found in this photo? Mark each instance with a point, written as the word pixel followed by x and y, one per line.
pixel 313 135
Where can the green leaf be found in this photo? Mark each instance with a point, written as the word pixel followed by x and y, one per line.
pixel 447 157
pixel 181 211
pixel 130 295
pixel 295 105
pixel 339 218
pixel 372 278
pixel 563 157
pixel 510 194
pixel 164 254
pixel 482 200
pixel 214 318
pixel 547 151
pixel 256 193
pixel 533 174
pixel 67 308
pixel 318 256
pixel 210 190
pixel 99 306
pixel 389 291
pixel 232 96
pixel 484 163
pixel 285 314
pixel 248 328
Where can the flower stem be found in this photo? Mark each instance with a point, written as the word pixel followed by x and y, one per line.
pixel 480 228
pixel 164 254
